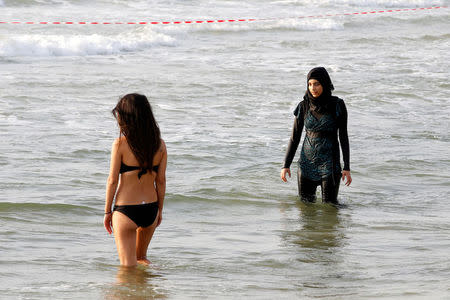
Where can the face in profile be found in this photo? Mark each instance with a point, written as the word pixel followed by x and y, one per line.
pixel 315 88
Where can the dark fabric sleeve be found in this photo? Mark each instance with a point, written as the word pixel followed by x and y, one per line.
pixel 295 137
pixel 343 135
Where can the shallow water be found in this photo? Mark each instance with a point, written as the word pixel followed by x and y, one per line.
pixel 223 95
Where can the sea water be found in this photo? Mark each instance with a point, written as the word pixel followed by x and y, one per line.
pixel 223 94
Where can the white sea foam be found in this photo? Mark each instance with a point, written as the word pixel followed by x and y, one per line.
pixel 299 24
pixel 81 45
pixel 309 24
pixel 360 3
pixel 391 3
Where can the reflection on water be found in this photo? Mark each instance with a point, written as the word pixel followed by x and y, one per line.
pixel 316 230
pixel 135 283
pixel 314 235
pixel 320 227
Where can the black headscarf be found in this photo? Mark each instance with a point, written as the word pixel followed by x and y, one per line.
pixel 322 103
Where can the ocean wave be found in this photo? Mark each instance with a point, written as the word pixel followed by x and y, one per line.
pixel 360 3
pixel 225 4
pixel 389 3
pixel 294 23
pixel 308 25
pixel 45 207
pixel 33 2
pixel 212 195
pixel 81 45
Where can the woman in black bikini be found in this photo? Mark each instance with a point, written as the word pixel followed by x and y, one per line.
pixel 139 156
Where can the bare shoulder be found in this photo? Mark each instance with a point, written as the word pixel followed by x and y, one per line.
pixel 163 148
pixel 118 143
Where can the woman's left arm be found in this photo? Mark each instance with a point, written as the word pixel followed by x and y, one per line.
pixel 345 145
pixel 160 182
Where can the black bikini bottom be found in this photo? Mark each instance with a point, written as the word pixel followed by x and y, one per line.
pixel 142 214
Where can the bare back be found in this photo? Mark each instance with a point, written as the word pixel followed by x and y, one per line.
pixel 133 190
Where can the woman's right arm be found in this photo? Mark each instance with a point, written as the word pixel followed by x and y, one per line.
pixel 297 129
pixel 111 184
pixel 160 181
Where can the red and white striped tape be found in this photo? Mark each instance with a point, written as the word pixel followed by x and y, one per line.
pixel 224 20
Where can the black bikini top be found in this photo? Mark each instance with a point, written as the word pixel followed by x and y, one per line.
pixel 126 168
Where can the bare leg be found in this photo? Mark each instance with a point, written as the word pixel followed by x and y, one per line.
pixel 125 236
pixel 143 238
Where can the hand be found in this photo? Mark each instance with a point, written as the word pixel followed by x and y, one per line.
pixel 159 218
pixel 107 222
pixel 346 173
pixel 283 174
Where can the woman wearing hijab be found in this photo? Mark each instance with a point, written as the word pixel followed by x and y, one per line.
pixel 324 118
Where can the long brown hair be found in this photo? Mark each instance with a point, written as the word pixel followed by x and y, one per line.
pixel 137 123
